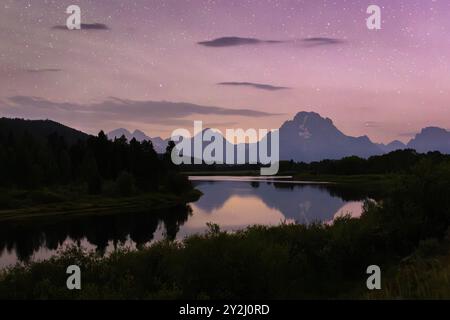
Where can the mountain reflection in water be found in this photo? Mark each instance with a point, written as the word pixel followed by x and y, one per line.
pixel 233 204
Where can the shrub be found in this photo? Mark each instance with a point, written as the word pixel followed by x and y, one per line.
pixel 125 184
pixel 177 183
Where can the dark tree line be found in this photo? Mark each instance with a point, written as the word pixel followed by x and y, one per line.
pixel 28 161
pixel 400 161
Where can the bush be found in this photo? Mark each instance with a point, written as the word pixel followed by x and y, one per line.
pixel 125 184
pixel 177 183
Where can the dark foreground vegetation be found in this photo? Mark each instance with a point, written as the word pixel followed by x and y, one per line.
pixel 375 176
pixel 406 234
pixel 396 162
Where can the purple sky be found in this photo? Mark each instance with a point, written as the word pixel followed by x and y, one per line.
pixel 312 55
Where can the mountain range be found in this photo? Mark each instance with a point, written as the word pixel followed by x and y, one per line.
pixel 307 137
pixel 159 144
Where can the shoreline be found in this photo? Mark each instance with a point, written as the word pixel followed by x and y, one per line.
pixel 100 205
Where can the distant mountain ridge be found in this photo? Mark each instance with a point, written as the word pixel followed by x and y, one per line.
pixel 431 139
pixel 310 137
pixel 307 137
pixel 159 144
pixel 393 146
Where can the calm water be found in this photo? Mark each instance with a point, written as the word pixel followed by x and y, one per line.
pixel 232 202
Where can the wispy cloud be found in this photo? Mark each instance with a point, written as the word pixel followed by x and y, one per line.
pixel 117 110
pixel 84 26
pixel 236 41
pixel 321 41
pixel 239 41
pixel 259 86
pixel 43 70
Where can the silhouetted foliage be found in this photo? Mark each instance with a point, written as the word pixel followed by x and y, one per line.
pixel 400 161
pixel 125 184
pixel 32 159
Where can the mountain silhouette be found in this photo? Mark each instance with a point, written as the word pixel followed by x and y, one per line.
pixel 309 137
pixel 40 129
pixel 431 139
pixel 393 146
pixel 159 144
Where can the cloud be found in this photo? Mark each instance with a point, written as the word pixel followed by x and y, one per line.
pixel 321 41
pixel 238 41
pixel 116 110
pixel 44 70
pixel 85 26
pixel 235 41
pixel 260 86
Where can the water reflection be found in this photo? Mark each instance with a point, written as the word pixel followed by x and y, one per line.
pixel 231 204
pixel 239 203
pixel 22 240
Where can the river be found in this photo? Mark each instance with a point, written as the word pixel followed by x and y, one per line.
pixel 231 202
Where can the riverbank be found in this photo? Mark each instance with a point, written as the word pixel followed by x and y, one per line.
pixel 55 205
pixel 375 185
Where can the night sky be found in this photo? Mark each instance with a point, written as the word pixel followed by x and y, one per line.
pixel 158 65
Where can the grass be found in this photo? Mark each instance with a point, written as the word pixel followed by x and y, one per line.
pixel 418 277
pixel 76 205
